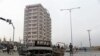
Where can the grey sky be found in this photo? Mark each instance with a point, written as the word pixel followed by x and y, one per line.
pixel 87 17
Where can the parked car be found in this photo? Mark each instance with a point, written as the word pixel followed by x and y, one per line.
pixel 4 49
pixel 15 48
pixel 1 46
pixel 67 50
pixel 22 50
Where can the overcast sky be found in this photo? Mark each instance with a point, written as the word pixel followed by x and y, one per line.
pixel 87 17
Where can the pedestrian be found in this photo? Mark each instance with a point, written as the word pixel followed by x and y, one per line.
pixel 58 46
pixel 8 48
pixel 71 48
pixel 11 49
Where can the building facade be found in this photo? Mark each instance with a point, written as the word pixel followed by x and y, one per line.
pixel 37 25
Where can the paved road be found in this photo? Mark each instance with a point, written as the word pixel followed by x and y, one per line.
pixel 89 53
pixel 92 53
pixel 5 54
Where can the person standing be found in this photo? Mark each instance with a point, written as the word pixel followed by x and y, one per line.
pixel 11 48
pixel 8 48
pixel 71 48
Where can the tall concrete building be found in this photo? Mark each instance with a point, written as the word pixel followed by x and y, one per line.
pixel 37 25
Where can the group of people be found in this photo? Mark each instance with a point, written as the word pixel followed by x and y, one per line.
pixel 9 48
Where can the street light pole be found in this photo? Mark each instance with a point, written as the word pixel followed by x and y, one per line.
pixel 89 37
pixel 70 10
pixel 13 31
pixel 10 22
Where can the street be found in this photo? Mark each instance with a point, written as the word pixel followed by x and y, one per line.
pixel 5 54
pixel 92 53
pixel 88 53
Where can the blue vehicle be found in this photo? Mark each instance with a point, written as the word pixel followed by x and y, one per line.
pixel 2 47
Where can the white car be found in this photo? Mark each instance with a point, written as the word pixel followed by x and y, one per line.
pixel 4 49
pixel 15 48
pixel 67 50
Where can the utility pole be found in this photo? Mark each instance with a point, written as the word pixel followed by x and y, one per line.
pixel 81 44
pixel 70 10
pixel 19 40
pixel 89 37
